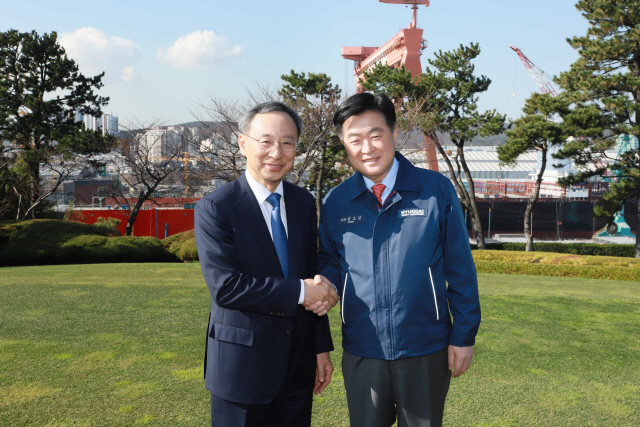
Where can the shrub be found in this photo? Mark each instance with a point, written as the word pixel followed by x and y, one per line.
pixel 182 245
pixel 569 248
pixel 41 242
pixel 102 249
pixel 554 264
pixel 107 226
pixel 587 272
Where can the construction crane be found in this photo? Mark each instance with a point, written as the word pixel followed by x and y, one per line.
pixel 542 79
pixel 403 49
pixel 186 161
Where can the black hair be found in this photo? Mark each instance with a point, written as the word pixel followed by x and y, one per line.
pixel 361 103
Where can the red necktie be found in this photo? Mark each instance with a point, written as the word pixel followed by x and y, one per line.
pixel 378 189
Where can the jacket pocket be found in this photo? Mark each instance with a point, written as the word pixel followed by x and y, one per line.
pixel 232 334
pixel 435 298
pixel 344 294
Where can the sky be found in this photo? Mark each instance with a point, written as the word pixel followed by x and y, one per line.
pixel 165 60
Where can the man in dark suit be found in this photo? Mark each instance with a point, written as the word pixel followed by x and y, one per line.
pixel 266 354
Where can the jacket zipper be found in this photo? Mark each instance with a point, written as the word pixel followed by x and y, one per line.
pixel 435 300
pixel 344 293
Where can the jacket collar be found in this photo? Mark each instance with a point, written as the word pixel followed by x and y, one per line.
pixel 406 180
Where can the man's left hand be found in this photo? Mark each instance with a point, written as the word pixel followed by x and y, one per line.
pixel 324 369
pixel 460 359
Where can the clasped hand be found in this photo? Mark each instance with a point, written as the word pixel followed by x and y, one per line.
pixel 319 295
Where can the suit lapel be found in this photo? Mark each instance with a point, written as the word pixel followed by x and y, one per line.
pixel 294 230
pixel 250 215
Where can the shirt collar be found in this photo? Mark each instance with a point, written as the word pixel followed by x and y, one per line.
pixel 260 191
pixel 389 181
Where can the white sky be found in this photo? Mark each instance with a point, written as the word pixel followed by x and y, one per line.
pixel 164 58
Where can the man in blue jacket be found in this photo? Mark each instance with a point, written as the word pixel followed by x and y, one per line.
pixel 393 240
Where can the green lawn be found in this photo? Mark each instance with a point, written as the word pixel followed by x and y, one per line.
pixel 122 345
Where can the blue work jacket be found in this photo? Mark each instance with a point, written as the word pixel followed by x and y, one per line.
pixel 405 274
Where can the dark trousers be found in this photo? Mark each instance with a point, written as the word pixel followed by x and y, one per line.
pixel 413 390
pixel 291 407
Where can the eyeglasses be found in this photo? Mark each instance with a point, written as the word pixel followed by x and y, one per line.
pixel 267 145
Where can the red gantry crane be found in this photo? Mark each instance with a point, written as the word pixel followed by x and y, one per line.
pixel 405 49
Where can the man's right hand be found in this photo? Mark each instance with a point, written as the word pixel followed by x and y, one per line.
pixel 319 295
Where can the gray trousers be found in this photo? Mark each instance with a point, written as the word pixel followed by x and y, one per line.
pixel 413 390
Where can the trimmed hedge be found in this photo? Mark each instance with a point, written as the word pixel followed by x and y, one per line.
pixel 182 245
pixel 587 272
pixel 45 241
pixel 41 242
pixel 599 249
pixel 555 264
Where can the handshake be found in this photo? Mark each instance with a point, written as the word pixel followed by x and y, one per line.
pixel 319 295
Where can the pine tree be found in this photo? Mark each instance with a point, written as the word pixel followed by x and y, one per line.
pixel 539 129
pixel 316 100
pixel 446 95
pixel 41 91
pixel 605 82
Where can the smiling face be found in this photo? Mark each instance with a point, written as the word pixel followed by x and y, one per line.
pixel 370 144
pixel 269 167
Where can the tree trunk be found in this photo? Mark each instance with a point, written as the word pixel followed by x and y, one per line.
pixel 319 179
pixel 459 187
pixel 527 226
pixel 638 232
pixel 34 173
pixel 532 200
pixel 134 214
pixel 473 206
pixel 476 224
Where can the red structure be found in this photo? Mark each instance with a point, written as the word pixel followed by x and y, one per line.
pixel 159 218
pixel 403 49
pixel 518 189
pixel 510 190
pixel 153 222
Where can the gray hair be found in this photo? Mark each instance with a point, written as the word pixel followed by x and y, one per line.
pixel 244 123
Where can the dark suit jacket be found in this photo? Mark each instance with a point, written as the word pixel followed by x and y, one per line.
pixel 255 316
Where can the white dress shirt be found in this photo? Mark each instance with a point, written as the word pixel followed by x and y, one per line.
pixel 261 192
pixel 389 181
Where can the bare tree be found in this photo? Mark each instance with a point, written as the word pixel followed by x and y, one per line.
pixel 318 157
pixel 315 98
pixel 149 155
pixel 218 153
pixel 17 198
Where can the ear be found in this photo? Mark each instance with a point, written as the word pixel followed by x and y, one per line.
pixel 242 143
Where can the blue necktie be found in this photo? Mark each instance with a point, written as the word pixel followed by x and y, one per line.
pixel 279 233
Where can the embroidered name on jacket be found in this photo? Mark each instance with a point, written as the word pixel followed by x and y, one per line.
pixel 406 213
pixel 348 220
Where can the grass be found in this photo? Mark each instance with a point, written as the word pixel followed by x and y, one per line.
pixel 122 345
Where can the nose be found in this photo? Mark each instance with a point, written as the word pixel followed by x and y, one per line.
pixel 367 146
pixel 276 151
